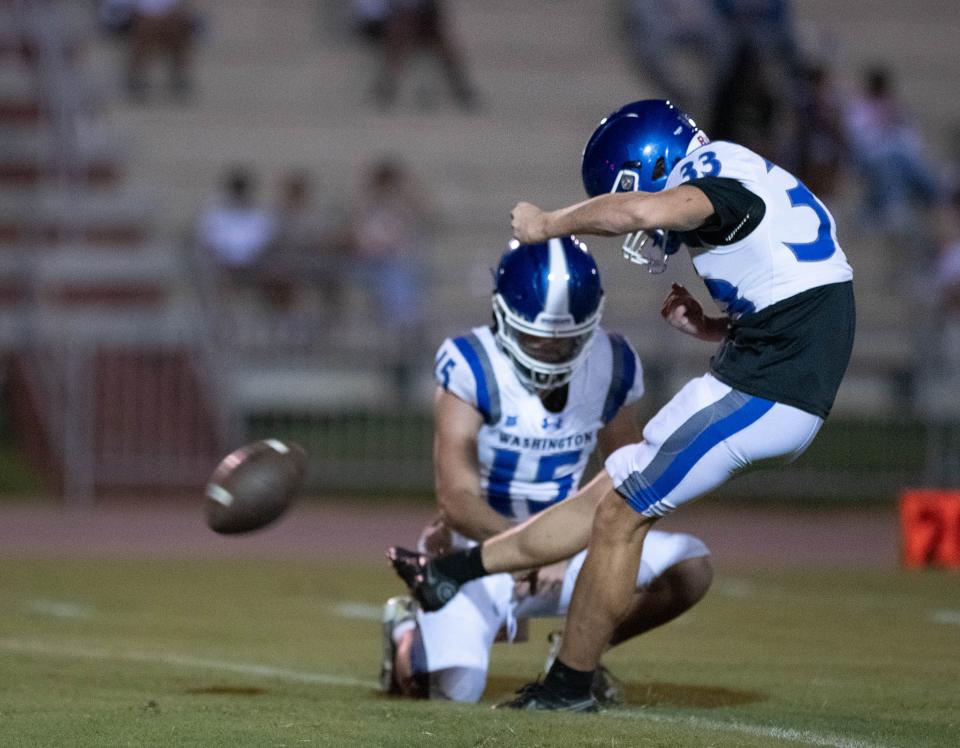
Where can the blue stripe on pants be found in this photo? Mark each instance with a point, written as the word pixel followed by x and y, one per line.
pixel 641 494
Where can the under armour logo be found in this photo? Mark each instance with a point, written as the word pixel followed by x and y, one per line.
pixel 511 421
pixel 552 424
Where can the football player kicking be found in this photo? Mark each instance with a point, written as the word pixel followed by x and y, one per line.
pixel 767 250
pixel 520 407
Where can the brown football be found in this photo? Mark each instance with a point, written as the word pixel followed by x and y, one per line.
pixel 252 486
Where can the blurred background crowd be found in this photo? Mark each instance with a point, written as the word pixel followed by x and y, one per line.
pixel 222 219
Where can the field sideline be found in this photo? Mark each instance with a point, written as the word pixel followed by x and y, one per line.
pixel 134 625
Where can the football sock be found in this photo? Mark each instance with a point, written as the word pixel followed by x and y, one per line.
pixel 564 679
pixel 462 566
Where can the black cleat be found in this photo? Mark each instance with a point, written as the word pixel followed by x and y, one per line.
pixel 537 697
pixel 606 688
pixel 431 590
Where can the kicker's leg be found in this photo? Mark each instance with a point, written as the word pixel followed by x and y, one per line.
pixel 555 534
pixel 606 584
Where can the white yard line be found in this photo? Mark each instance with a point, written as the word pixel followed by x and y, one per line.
pixel 60 608
pixel 161 658
pixel 48 649
pixel 950 617
pixel 360 611
pixel 805 737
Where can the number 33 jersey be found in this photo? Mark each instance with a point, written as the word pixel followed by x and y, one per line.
pixel 531 457
pixel 770 259
pixel 783 243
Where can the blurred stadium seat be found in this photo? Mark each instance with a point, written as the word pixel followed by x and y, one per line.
pixel 97 195
pixel 109 380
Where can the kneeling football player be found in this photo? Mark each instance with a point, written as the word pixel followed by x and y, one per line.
pixel 520 406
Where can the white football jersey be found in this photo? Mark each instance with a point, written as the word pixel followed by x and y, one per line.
pixel 794 248
pixel 531 457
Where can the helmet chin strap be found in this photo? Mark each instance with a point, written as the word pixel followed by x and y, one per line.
pixel 532 379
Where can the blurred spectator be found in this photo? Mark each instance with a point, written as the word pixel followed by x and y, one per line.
pixel 370 18
pixel 947 287
pixel 745 108
pixel 164 30
pixel 756 48
pixel 388 239
pixel 305 248
pixel 404 29
pixel 766 26
pixel 889 154
pixel 820 137
pixel 116 16
pixel 694 48
pixel 674 42
pixel 234 231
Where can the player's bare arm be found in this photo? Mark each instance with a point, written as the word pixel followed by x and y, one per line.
pixel 682 208
pixel 457 474
pixel 682 311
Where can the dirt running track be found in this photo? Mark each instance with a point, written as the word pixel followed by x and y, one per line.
pixel 739 536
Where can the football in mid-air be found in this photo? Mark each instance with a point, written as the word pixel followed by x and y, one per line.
pixel 253 485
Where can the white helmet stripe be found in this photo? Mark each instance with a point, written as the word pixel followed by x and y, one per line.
pixel 558 296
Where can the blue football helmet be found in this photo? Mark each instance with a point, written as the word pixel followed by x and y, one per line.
pixel 633 150
pixel 547 302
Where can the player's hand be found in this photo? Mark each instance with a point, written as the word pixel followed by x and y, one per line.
pixel 527 223
pixel 546 580
pixel 437 539
pixel 683 312
pixel 523 582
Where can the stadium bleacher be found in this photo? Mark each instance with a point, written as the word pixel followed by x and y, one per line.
pixel 105 376
pixel 288 87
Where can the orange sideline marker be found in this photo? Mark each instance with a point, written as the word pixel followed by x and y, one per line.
pixel 930 526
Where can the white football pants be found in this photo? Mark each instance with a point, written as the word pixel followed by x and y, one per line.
pixel 705 435
pixel 456 639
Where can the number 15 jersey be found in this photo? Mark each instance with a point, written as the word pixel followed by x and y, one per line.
pixel 531 457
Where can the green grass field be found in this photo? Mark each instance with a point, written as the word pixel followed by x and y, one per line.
pixel 244 653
